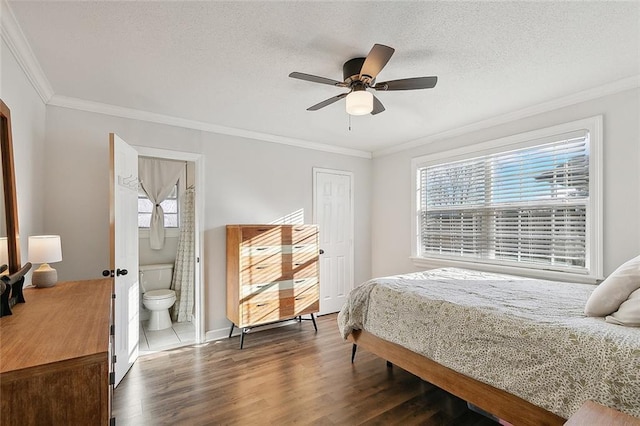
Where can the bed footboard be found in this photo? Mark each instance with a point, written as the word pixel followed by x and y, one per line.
pixel 506 406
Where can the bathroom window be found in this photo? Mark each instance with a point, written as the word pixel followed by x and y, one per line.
pixel 169 206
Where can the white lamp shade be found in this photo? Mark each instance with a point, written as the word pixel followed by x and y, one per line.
pixel 359 103
pixel 45 249
pixel 4 251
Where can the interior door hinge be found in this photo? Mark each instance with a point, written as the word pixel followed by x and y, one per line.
pixel 112 378
pixel 113 359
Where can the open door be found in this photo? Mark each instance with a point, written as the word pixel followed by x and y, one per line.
pixel 124 252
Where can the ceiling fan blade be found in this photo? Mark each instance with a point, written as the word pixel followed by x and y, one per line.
pixel 326 102
pixel 375 61
pixel 316 79
pixel 408 84
pixel 377 106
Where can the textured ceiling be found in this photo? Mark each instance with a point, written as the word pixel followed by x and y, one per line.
pixel 226 63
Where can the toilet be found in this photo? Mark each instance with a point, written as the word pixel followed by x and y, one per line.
pixel 157 297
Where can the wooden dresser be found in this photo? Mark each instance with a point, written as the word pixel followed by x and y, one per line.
pixel 272 274
pixel 54 356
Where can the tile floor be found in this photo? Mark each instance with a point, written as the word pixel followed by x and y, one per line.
pixel 180 334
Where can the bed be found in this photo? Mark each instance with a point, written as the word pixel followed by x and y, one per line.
pixel 519 348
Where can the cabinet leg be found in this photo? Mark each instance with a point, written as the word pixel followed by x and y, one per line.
pixel 231 331
pixel 314 322
pixel 244 331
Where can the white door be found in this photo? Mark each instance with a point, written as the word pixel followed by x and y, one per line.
pixel 333 212
pixel 124 252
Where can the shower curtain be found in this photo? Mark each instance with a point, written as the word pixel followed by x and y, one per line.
pixel 184 269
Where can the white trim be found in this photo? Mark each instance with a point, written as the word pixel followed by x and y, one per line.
pixel 136 114
pixel 15 39
pixel 19 46
pixel 503 269
pixel 594 227
pixel 145 151
pixel 531 138
pixel 198 159
pixel 586 95
pixel 315 171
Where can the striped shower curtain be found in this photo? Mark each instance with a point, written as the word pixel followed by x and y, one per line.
pixel 184 269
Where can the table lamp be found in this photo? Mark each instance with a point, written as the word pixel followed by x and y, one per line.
pixel 4 255
pixel 45 249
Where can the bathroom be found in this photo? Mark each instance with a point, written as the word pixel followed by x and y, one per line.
pixel 166 253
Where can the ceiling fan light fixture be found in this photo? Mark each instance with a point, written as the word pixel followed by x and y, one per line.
pixel 359 102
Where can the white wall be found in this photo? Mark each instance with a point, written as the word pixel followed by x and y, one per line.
pixel 246 181
pixel 28 129
pixel 391 217
pixel 167 254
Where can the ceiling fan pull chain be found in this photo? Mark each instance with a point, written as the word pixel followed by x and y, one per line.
pixel 349 115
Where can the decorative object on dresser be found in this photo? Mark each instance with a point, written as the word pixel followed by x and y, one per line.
pixel 272 274
pixel 55 359
pixel 11 288
pixel 45 249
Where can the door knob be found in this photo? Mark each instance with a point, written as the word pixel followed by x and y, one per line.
pixel 321 251
pixel 107 273
pixel 121 272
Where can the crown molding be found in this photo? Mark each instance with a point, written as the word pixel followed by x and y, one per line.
pixel 15 39
pixel 586 95
pixel 135 114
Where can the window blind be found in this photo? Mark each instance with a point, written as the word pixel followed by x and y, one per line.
pixel 527 206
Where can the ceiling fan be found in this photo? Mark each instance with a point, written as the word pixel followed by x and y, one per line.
pixel 359 75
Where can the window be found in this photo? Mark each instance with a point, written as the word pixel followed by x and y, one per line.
pixel 527 202
pixel 169 206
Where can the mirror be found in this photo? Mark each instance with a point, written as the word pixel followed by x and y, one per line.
pixel 9 210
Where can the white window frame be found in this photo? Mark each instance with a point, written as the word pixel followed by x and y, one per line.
pixel 594 241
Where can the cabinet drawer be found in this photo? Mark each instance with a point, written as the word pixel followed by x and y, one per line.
pixel 304 270
pixel 263 258
pixel 277 287
pixel 263 273
pixel 300 283
pixel 257 252
pixel 268 310
pixel 304 232
pixel 306 299
pixel 302 254
pixel 265 235
pixel 270 293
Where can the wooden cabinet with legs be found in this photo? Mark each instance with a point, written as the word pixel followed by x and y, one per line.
pixel 54 356
pixel 272 274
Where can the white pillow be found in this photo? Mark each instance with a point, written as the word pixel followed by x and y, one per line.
pixel 629 312
pixel 609 295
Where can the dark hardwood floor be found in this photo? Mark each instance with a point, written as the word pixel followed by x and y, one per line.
pixel 286 375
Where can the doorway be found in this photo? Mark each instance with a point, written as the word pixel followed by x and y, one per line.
pixel 333 210
pixel 184 332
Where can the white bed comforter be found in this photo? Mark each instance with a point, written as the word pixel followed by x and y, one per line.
pixel 528 337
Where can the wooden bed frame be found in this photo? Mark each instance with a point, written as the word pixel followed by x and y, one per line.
pixel 502 404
